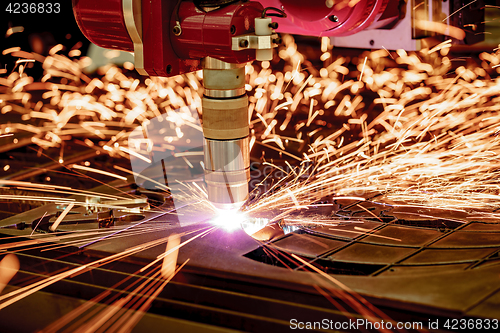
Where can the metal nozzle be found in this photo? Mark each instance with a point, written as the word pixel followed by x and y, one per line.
pixel 225 127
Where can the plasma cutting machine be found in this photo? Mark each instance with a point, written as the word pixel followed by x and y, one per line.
pixel 220 36
pixel 412 263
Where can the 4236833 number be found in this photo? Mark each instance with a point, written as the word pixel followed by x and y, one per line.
pixel 472 324
pixel 33 8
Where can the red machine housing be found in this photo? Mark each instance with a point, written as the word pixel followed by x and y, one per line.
pixel 165 54
pixel 209 33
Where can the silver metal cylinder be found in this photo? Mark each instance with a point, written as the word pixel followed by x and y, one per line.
pixel 223 80
pixel 228 155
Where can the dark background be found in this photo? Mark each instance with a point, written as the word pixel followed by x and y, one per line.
pixel 41 32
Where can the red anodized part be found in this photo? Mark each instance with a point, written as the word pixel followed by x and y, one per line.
pixel 101 21
pixel 316 19
pixel 159 57
pixel 210 33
